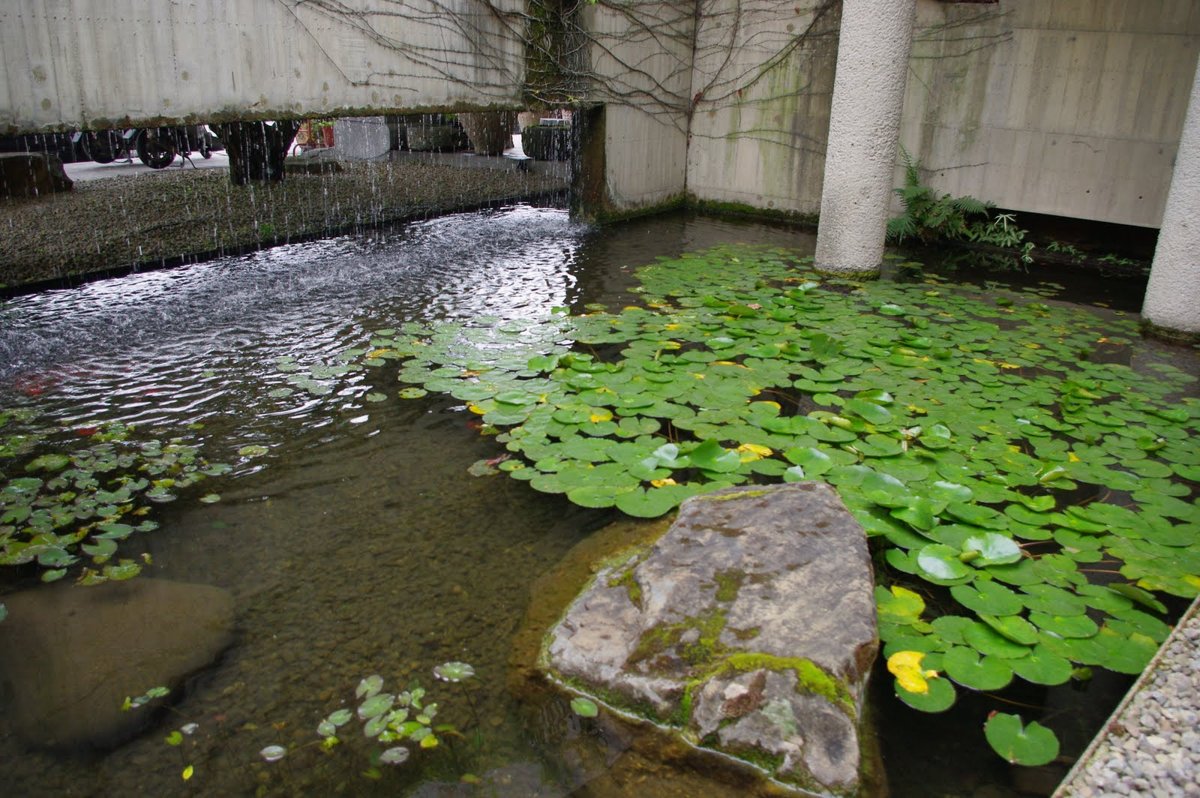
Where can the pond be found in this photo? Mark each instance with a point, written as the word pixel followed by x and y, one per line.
pixel 348 528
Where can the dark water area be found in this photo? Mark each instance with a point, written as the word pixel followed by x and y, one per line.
pixel 358 543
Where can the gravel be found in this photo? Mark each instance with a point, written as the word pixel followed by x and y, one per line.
pixel 126 222
pixel 1150 746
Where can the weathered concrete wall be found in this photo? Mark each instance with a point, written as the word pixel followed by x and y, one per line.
pixel 761 87
pixel 1071 108
pixel 76 63
pixel 641 56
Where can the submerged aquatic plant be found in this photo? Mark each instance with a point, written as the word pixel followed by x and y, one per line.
pixel 389 718
pixel 80 501
pixel 1027 494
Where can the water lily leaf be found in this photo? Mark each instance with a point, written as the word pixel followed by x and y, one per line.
pixel 988 641
pixel 273 753
pixel 376 724
pixel 885 489
pixel 921 513
pixel 976 515
pixel 1030 745
pixel 369 686
pixel 941 565
pixel 868 411
pixel 376 705
pixel 898 605
pixel 1052 600
pixel 950 492
pixel 652 502
pixel 812 461
pixel 1143 597
pixel 49 462
pixel 1065 625
pixel 584 707
pixel 1014 627
pixel 341 717
pixel 411 393
pixel 992 549
pixel 988 597
pixel 966 667
pixel 939 697
pixel 253 450
pixel 711 456
pixel 397 755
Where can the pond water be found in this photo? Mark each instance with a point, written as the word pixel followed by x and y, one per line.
pixel 355 541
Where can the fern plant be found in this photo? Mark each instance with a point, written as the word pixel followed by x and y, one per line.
pixel 930 218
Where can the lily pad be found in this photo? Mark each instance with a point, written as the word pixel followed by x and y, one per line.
pixel 1030 745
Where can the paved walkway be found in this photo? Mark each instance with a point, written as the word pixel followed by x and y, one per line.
pixel 1151 743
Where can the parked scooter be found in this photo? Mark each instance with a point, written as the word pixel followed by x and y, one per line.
pixel 155 147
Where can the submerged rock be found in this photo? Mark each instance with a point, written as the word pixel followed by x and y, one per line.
pixel 69 655
pixel 749 628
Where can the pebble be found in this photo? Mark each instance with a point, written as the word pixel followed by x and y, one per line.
pixel 1157 752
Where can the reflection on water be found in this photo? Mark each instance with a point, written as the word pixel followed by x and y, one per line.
pixel 362 546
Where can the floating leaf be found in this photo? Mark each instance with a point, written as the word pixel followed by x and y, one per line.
pixel 273 753
pixel 453 671
pixel 369 686
pixel 584 707
pixel 1030 745
pixel 394 756
pixel 941 564
pixel 992 549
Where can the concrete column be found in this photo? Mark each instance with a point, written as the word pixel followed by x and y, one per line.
pixel 864 126
pixel 1172 301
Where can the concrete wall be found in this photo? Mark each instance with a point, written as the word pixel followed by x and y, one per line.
pixel 762 82
pixel 1072 107
pixel 75 63
pixel 641 55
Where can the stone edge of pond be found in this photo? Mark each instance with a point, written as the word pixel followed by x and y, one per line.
pixel 1141 748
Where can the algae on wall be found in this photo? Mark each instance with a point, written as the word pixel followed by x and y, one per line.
pixel 762 86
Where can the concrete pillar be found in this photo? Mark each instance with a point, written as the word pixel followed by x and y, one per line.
pixel 1172 302
pixel 864 126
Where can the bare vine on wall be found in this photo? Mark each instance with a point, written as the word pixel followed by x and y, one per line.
pixel 562 52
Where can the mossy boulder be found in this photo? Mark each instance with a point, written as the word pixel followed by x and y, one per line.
pixel 747 628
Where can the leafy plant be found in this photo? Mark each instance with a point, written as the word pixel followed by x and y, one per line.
pixel 961 430
pixel 393 719
pixel 931 218
pixel 87 496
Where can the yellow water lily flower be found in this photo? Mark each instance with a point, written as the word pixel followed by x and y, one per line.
pixel 662 483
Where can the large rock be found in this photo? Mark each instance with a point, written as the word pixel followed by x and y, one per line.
pixel 31 174
pixel 749 628
pixel 69 655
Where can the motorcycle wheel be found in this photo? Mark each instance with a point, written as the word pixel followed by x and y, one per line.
pixel 155 149
pixel 100 147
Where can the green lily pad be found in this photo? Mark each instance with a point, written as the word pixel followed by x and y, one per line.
pixel 992 549
pixel 1030 745
pixel 988 597
pixel 941 565
pixel 1043 667
pixel 584 707
pixel 939 698
pixel 966 667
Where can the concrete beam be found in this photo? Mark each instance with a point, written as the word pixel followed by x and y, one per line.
pixel 864 126
pixel 1172 301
